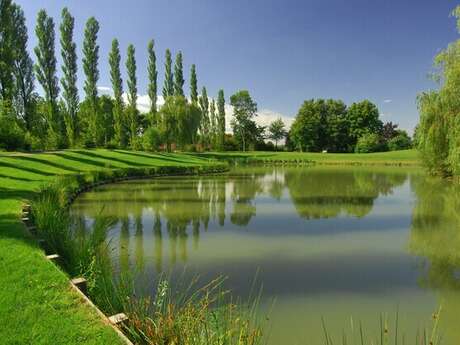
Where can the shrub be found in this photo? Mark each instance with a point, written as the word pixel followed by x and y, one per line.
pixel 367 143
pixel 12 136
pixel 400 142
pixel 151 140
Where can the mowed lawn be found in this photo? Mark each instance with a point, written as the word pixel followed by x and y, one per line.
pixel 404 157
pixel 36 303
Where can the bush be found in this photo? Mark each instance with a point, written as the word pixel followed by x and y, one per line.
pixel 12 136
pixel 400 142
pixel 367 143
pixel 151 140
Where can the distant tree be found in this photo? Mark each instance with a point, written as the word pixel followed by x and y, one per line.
pixel 305 131
pixel 168 87
pixel 221 118
pixel 69 79
pixel 401 141
pixel 205 122
pixel 90 68
pixel 106 105
pixel 363 118
pixel 368 142
pixel 389 131
pixel 178 76
pixel 6 52
pixel 153 86
pixel 117 86
pixel 45 70
pixel 277 131
pixel 24 96
pixel 213 124
pixel 193 85
pixel 132 95
pixel 244 111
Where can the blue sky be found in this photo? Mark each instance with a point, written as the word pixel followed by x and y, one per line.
pixel 283 52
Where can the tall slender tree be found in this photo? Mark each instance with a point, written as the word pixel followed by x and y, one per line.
pixel 6 51
pixel 153 86
pixel 132 94
pixel 193 85
pixel 178 76
pixel 168 87
pixel 23 70
pixel 90 67
pixel 117 86
pixel 69 79
pixel 45 70
pixel 221 118
pixel 205 123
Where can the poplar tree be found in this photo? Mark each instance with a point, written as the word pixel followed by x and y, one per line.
pixel 90 67
pixel 45 70
pixel 23 70
pixel 132 94
pixel 153 86
pixel 117 86
pixel 69 79
pixel 204 126
pixel 221 118
pixel 213 123
pixel 6 51
pixel 178 76
pixel 193 85
pixel 168 87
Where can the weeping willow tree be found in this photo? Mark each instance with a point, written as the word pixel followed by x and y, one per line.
pixel 439 130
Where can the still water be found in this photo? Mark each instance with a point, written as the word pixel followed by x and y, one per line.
pixel 346 244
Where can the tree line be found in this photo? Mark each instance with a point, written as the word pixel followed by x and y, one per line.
pixel 59 119
pixel 329 125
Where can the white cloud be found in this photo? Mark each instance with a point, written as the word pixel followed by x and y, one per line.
pixel 105 90
pixel 387 100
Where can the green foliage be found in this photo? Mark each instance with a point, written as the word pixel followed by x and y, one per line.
pixel 132 112
pixel 168 86
pixel 24 96
pixel 245 129
pixel 327 125
pixel 69 79
pixel 221 119
pixel 117 86
pixel 277 131
pixel 368 142
pixel 12 137
pixel 205 124
pixel 90 67
pixel 193 85
pixel 106 106
pixel 151 139
pixel 178 76
pixel 153 86
pixel 45 70
pixel 401 141
pixel 438 134
pixel 6 51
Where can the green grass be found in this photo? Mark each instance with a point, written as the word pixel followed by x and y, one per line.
pixel 406 157
pixel 37 305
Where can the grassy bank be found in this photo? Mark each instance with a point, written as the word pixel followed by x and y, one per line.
pixel 406 157
pixel 37 304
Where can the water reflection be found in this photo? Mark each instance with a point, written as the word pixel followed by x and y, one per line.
pixel 435 236
pixel 321 237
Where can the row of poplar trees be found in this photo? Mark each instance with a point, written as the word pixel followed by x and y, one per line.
pixel 59 119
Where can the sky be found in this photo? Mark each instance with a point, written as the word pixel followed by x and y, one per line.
pixel 283 52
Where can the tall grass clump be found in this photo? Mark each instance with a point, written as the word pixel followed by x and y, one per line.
pixel 192 315
pixel 390 333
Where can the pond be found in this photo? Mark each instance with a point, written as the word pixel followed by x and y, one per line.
pixel 342 244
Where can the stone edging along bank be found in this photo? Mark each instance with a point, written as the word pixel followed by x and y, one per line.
pixel 83 182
